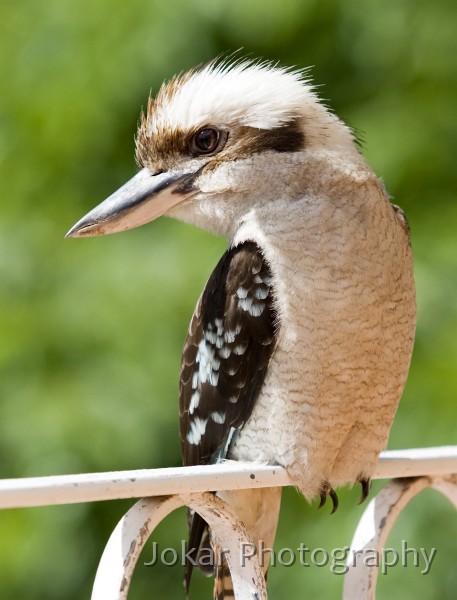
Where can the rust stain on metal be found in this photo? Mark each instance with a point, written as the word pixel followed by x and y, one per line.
pixel 131 550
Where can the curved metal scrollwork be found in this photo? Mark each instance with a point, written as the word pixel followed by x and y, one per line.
pixel 411 470
pixel 133 530
pixel 376 524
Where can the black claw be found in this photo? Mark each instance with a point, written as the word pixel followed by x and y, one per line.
pixel 327 490
pixel 323 496
pixel 366 487
pixel 334 498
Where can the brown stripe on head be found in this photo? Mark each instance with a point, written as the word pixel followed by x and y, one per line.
pixel 162 150
pixel 159 151
pixel 154 149
pixel 154 145
pixel 289 137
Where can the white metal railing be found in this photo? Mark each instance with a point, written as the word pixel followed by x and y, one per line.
pixel 411 471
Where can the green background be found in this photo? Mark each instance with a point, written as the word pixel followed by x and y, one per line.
pixel 91 330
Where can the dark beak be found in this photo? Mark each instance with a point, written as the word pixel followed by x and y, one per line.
pixel 142 199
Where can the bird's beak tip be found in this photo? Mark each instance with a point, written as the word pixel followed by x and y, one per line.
pixel 70 233
pixel 79 230
pixel 142 199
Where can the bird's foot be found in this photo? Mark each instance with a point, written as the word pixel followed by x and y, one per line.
pixel 327 490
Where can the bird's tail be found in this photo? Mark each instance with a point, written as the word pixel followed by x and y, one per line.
pixel 258 509
pixel 223 586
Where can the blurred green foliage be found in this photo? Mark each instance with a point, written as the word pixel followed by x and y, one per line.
pixel 91 330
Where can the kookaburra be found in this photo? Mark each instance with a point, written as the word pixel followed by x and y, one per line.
pixel 299 347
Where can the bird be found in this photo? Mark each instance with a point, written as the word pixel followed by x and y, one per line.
pixel 300 344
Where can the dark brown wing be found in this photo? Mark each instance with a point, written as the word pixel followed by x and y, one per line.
pixel 226 354
pixel 229 344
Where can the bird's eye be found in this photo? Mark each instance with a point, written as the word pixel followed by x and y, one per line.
pixel 206 140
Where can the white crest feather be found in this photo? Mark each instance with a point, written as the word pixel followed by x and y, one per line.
pixel 255 94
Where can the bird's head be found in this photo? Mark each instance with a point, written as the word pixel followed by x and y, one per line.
pixel 218 142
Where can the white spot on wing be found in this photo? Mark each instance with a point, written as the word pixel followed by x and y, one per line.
pixel 219 326
pixel 242 292
pixel 197 429
pixel 194 402
pixel 208 363
pixel 230 335
pixel 224 352
pixel 240 349
pixel 261 293
pixel 232 432
pixel 256 310
pixel 218 417
pixel 210 337
pixel 213 378
pixel 245 303
pixel 195 380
